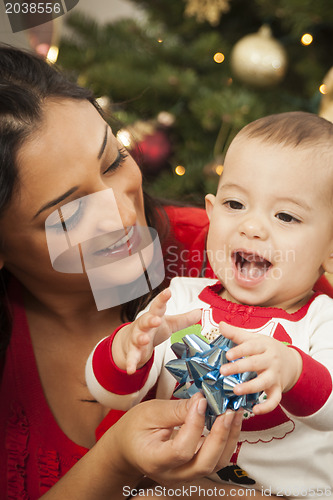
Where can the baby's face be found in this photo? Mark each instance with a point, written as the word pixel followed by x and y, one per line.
pixel 271 225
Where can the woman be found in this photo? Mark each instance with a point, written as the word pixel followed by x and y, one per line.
pixel 56 149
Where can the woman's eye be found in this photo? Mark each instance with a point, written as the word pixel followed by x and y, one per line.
pixel 122 155
pixel 286 217
pixel 234 205
pixel 73 220
pixel 69 216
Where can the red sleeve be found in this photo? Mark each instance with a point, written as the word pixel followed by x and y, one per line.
pixel 112 378
pixel 185 248
pixel 312 389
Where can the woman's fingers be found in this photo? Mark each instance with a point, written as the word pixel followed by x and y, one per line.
pixel 187 455
pixel 215 451
pixel 217 447
pixel 212 449
pixel 230 445
pixel 172 413
pixel 182 448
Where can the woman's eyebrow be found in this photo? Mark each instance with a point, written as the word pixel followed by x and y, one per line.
pixel 62 197
pixel 105 140
pixel 54 202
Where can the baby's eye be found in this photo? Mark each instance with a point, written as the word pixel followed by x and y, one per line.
pixel 286 217
pixel 234 205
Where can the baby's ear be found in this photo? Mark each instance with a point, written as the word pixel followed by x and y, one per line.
pixel 209 201
pixel 328 262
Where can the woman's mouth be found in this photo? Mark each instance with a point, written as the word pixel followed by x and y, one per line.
pixel 250 266
pixel 125 244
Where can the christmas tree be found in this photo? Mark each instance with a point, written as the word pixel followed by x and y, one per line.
pixel 181 84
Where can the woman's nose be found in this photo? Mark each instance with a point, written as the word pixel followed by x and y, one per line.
pixel 253 228
pixel 120 215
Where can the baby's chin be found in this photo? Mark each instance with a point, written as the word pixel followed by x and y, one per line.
pixel 249 298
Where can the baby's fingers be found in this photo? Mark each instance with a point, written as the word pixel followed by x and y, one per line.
pixel 258 385
pixel 132 360
pixel 269 404
pixel 234 333
pixel 181 321
pixel 256 363
pixel 158 305
pixel 145 323
pixel 250 387
pixel 248 348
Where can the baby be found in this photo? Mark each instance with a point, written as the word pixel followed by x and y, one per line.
pixel 270 238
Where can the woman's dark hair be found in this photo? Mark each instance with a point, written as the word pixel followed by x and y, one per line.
pixel 25 82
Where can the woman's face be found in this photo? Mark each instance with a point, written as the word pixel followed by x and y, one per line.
pixel 72 155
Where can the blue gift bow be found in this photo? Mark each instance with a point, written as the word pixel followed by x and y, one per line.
pixel 197 369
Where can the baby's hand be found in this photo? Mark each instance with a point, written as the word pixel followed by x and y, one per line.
pixel 278 366
pixel 134 344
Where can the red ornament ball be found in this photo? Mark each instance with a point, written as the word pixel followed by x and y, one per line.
pixel 153 151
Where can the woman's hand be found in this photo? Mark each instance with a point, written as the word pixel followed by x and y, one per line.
pixel 142 443
pixel 145 441
pixel 278 366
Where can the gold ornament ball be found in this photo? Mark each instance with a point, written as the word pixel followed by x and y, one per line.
pixel 258 59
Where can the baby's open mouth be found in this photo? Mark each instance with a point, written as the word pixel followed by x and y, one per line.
pixel 250 265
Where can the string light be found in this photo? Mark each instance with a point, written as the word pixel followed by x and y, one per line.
pixel 323 89
pixel 219 169
pixel 160 40
pixel 103 101
pixel 52 54
pixel 218 57
pixel 180 170
pixel 124 137
pixel 306 39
